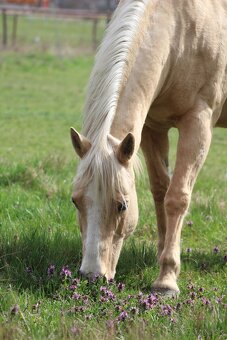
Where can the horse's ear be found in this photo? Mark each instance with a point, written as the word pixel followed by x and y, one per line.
pixel 80 143
pixel 126 148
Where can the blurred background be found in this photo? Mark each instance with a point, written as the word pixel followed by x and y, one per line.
pixel 56 26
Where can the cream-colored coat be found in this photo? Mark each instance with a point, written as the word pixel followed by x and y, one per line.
pixel 162 64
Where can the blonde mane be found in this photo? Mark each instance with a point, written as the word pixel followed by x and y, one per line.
pixel 112 66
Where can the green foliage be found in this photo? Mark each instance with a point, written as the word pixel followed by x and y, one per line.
pixel 41 97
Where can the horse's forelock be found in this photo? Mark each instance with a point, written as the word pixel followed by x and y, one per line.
pixel 111 180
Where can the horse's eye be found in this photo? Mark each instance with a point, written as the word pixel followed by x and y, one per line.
pixel 122 206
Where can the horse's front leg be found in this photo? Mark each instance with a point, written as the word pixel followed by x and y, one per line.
pixel 155 147
pixel 193 145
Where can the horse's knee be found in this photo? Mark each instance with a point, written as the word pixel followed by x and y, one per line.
pixel 176 202
pixel 159 195
pixel 159 192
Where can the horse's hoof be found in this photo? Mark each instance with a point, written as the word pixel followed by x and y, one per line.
pixel 166 292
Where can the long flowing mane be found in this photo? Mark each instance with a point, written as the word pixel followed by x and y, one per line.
pixel 112 66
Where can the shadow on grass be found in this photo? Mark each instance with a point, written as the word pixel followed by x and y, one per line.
pixel 136 257
pixel 24 262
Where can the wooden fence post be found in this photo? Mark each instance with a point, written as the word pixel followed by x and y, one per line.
pixel 108 7
pixel 4 27
pixel 14 33
pixel 108 17
pixel 94 34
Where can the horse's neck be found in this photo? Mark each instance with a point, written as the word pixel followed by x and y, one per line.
pixel 142 87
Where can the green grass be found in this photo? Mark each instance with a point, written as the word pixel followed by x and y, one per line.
pixel 55 36
pixel 41 97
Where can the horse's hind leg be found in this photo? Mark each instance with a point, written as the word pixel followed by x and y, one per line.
pixel 155 148
pixel 193 145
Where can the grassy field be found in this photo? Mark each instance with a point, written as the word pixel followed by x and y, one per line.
pixel 55 36
pixel 41 97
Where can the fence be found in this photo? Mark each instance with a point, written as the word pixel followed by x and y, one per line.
pixel 15 11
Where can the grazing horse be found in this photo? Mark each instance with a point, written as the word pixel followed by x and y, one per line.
pixel 162 64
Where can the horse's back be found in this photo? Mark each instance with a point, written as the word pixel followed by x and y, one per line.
pixel 197 59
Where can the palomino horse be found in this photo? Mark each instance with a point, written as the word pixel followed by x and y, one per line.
pixel 162 64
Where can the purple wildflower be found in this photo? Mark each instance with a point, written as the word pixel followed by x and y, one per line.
pixel 75 281
pixel 76 296
pixel 193 295
pixel 65 272
pixel 205 301
pixel 119 308
pixel 145 304
pixel 103 299
pixel 51 270
pixel 189 223
pixel 216 250
pixel 110 295
pixel 166 310
pixel 103 289
pixel 219 300
pixel 189 302
pixel 148 302
pixel 72 287
pixel 77 309
pixel 111 282
pixel 29 270
pixel 88 317
pixel 85 299
pixel 122 316
pixel 95 278
pixel 80 308
pixel 201 290
pixel 225 258
pixel 15 310
pixel 191 286
pixel 75 330
pixel 120 286
pixel 152 299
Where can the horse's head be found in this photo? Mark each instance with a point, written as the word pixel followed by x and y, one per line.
pixel 105 197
